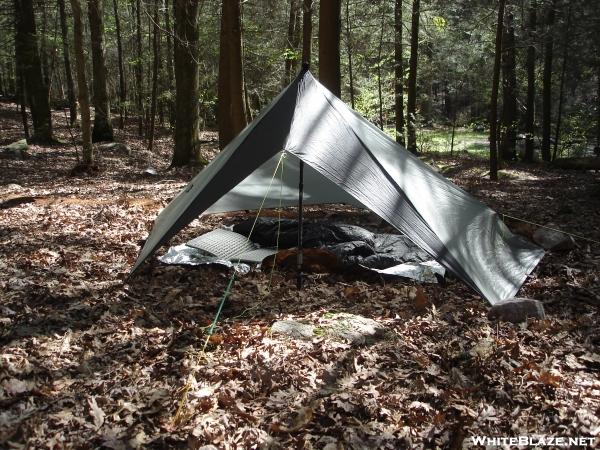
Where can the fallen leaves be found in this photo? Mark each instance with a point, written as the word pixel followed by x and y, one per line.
pixel 88 360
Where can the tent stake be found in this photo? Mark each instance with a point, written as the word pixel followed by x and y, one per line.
pixel 300 214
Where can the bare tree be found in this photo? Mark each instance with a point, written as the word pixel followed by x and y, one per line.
pixel 411 105
pixel 102 130
pixel 187 117
pixel 547 83
pixel 307 30
pixel 67 62
pixel 398 73
pixel 494 102
pixel 231 108
pixel 82 88
pixel 155 66
pixel 122 81
pixel 329 45
pixel 28 59
pixel 530 108
pixel 509 92
pixel 293 40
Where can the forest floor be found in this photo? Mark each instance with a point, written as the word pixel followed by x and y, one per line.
pixel 92 360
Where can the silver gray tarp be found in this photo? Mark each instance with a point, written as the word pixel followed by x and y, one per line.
pixel 349 160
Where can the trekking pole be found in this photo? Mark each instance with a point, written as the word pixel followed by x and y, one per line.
pixel 300 214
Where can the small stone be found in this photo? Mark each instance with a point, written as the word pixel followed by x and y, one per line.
pixel 354 329
pixel 517 310
pixel 553 240
pixel 294 329
pixel 118 148
pixel 16 150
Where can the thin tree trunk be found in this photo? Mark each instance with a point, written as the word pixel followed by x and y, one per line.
pixel 292 44
pixel 187 117
pixel 138 70
pixel 155 48
pixel 329 45
pixel 170 73
pixel 530 112
pixel 44 46
pixel 82 87
pixel 231 110
pixel 307 31
pixel 22 100
pixel 349 49
pixel 35 87
pixel 122 85
pixel 509 92
pixel 379 64
pixel 547 85
pixel 598 107
pixel 563 74
pixel 398 73
pixel 412 78
pixel 12 79
pixel 494 163
pixel 102 130
pixel 67 62
pixel 453 134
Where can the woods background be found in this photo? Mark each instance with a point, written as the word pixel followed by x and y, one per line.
pixel 413 68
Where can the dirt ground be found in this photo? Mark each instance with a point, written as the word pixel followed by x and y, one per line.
pixel 91 359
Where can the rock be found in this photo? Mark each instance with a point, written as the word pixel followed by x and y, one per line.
pixel 517 310
pixel 150 172
pixel 16 150
pixel 350 328
pixel 294 329
pixel 356 330
pixel 553 240
pixel 116 148
pixel 13 187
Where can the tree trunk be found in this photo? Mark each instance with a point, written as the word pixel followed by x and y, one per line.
pixel 412 78
pixel 231 109
pixel 398 73
pixel 329 45
pixel 82 87
pixel 122 85
pixel 22 101
pixel 187 117
pixel 598 106
pixel 530 112
pixel 138 70
pixel 67 61
pixel 155 49
pixel 509 92
pixel 494 102
pixel 292 42
pixel 35 87
pixel 170 72
pixel 44 46
pixel 102 130
pixel 379 64
pixel 565 58
pixel 547 84
pixel 349 49
pixel 307 31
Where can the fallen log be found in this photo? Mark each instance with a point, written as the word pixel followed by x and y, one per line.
pixel 581 163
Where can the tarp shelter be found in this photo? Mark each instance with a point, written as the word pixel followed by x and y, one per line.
pixel 349 160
